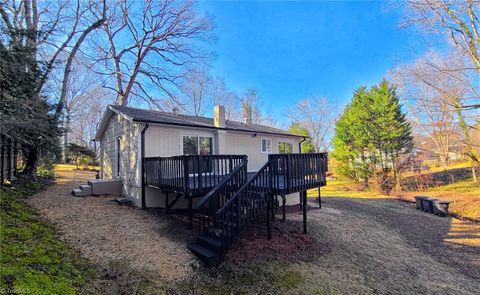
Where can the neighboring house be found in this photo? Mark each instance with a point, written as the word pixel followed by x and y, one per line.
pixel 171 134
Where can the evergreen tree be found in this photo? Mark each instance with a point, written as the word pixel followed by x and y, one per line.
pixel 371 135
pixel 25 115
pixel 307 145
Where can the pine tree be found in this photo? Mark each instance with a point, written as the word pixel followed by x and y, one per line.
pixel 307 145
pixel 371 135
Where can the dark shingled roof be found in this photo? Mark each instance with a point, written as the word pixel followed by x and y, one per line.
pixel 160 117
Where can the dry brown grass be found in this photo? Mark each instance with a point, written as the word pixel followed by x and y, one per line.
pixel 368 246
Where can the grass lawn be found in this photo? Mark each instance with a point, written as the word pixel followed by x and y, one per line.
pixel 33 259
pixel 463 194
pixel 342 188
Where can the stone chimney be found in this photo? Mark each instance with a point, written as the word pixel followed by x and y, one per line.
pixel 247 114
pixel 219 116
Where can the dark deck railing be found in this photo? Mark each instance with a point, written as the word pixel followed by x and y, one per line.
pixel 243 207
pixel 297 172
pixel 192 176
pixel 218 196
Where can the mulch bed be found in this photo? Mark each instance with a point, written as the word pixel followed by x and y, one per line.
pixel 288 242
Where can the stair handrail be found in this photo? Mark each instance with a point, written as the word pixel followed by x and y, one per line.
pixel 243 187
pixel 219 195
pixel 232 220
pixel 217 188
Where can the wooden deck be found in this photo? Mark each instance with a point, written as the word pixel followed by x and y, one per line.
pixel 230 197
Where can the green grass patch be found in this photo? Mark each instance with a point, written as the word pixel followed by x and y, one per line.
pixel 33 259
pixel 275 276
pixel 343 188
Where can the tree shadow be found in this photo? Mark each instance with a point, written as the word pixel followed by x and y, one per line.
pixel 450 241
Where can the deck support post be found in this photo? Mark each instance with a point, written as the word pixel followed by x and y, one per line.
pixel 319 198
pixel 273 207
pixel 269 222
pixel 283 208
pixel 300 196
pixel 190 213
pixel 166 202
pixel 304 205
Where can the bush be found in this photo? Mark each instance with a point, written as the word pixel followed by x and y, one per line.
pixel 81 155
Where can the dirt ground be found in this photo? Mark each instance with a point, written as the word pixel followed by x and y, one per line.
pixel 106 232
pixel 369 246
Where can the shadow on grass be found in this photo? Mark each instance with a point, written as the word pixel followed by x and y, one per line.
pixel 448 240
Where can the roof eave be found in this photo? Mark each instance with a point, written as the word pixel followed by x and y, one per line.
pixel 217 128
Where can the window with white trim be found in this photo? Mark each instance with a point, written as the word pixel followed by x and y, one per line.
pixel 266 145
pixel 197 145
pixel 285 147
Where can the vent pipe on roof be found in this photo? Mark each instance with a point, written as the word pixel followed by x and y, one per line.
pixel 219 116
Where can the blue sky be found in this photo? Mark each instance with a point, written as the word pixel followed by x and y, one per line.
pixel 288 50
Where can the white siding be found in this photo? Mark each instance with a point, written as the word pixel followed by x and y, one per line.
pixel 129 134
pixel 250 145
pixel 163 141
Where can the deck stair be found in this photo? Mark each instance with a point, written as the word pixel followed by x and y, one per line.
pixel 227 210
pixel 99 187
pixel 228 198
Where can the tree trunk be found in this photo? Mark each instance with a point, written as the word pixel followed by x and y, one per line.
pixel 474 174
pixel 31 161
pixel 66 125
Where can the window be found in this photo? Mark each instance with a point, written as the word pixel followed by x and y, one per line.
pixel 197 145
pixel 118 156
pixel 285 147
pixel 266 145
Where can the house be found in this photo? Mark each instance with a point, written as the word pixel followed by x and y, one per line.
pixel 224 173
pixel 166 134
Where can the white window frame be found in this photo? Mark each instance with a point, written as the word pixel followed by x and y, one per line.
pixel 198 135
pixel 269 150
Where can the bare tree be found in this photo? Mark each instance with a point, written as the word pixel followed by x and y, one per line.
pixel 149 45
pixel 316 115
pixel 221 95
pixel 53 29
pixel 252 103
pixel 459 20
pixel 195 90
pixel 434 95
pixel 82 92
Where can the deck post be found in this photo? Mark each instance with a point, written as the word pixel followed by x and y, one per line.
pixel 304 212
pixel 273 206
pixel 166 202
pixel 269 223
pixel 283 207
pixel 300 196
pixel 319 198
